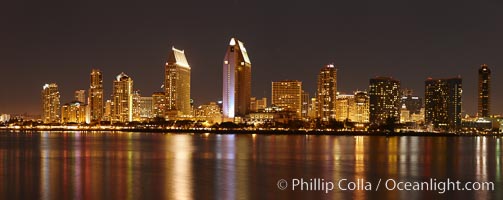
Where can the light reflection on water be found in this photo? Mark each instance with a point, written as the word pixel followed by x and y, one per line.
pixel 100 165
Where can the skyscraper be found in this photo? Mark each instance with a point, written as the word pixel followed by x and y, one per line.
pixel 136 105
pixel 95 101
pixel 80 96
pixel 287 94
pixel 146 108
pixel 326 94
pixel 305 105
pixel 177 84
pixel 345 107
pixel 122 99
pixel 385 100
pixel 159 104
pixel 361 107
pixel 236 81
pixel 443 103
pixel 50 103
pixel 484 99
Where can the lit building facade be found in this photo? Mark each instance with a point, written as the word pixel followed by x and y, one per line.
pixel 306 101
pixel 362 104
pixel 74 112
pixel 177 84
pixel 484 89
pixel 136 106
pixel 326 94
pixel 50 103
pixel 80 96
pixel 159 104
pixel 312 113
pixel 287 94
pixel 236 91
pixel 345 107
pixel 122 99
pixel 95 101
pixel 209 113
pixel 443 103
pixel 257 104
pixel 385 100
pixel 107 115
pixel 146 108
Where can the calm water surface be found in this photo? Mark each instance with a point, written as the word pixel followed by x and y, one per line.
pixel 105 165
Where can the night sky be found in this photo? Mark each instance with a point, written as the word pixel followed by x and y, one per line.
pixel 61 41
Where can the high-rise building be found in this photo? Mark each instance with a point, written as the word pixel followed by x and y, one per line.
pixel 50 103
pixel 313 108
pixel 146 108
pixel 107 115
pixel 236 81
pixel 345 107
pixel 326 94
pixel 95 101
pixel 443 103
pixel 122 99
pixel 80 96
pixel 74 112
pixel 177 84
pixel 484 99
pixel 159 104
pixel 385 100
pixel 136 106
pixel 361 107
pixel 287 94
pixel 305 105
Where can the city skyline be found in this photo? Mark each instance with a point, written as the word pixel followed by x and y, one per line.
pixel 94 71
pixel 391 39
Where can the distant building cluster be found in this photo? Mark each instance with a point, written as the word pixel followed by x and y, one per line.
pixel 384 103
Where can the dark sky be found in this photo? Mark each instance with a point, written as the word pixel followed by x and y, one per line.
pixel 61 41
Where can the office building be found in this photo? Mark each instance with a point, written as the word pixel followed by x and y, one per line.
pixel 107 115
pixel 484 91
pixel 209 113
pixel 177 84
pixel 287 94
pixel 385 100
pixel 345 107
pixel 257 105
pixel 159 104
pixel 122 99
pixel 236 91
pixel 306 101
pixel 50 103
pixel 74 112
pixel 95 101
pixel 136 106
pixel 362 103
pixel 80 96
pixel 146 108
pixel 326 94
pixel 443 103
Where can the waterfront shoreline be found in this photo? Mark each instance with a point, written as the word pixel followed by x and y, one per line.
pixel 256 131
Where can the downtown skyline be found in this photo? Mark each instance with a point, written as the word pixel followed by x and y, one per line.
pixel 403 44
pixel 269 93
